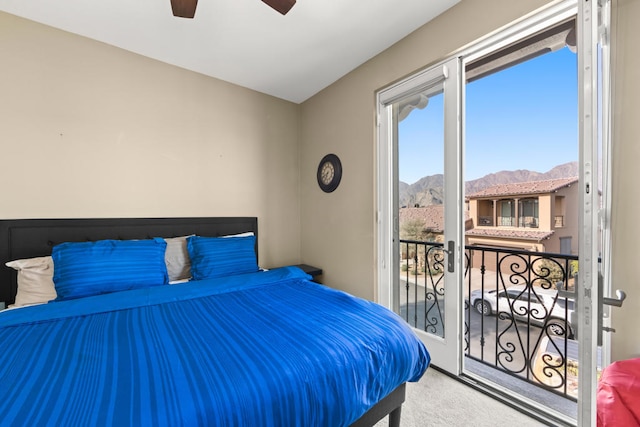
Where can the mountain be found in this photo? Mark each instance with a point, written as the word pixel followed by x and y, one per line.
pixel 426 191
pixel 429 190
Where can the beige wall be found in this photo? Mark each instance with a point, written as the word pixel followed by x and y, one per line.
pixel 338 229
pixel 544 212
pixel 626 158
pixel 89 130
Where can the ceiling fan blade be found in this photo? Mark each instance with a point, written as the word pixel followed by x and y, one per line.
pixel 184 8
pixel 282 6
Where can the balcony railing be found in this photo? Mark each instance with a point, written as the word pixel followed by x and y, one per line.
pixel 506 221
pixel 486 221
pixel 528 221
pixel 514 320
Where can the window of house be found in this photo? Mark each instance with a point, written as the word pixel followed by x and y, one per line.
pixel 506 213
pixel 528 210
pixel 565 245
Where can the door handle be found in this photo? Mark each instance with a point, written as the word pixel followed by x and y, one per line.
pixel 602 301
pixel 616 302
pixel 451 264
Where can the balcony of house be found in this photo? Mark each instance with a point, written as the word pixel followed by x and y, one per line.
pixel 528 222
pixel 520 213
pixel 485 221
pixel 506 221
pixel 518 331
pixel 485 215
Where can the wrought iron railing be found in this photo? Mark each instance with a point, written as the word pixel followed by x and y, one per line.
pixel 514 320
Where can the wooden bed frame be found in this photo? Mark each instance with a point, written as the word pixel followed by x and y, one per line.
pixel 28 238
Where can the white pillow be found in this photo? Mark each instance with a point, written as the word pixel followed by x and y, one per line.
pixel 35 281
pixel 247 234
pixel 177 259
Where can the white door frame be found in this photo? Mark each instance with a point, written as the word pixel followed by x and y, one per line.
pixel 445 351
pixel 589 132
pixel 593 18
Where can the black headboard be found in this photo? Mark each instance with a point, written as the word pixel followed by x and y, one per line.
pixel 28 238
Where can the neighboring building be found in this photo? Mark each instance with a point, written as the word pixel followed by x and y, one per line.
pixel 424 220
pixel 431 221
pixel 534 216
pixel 538 216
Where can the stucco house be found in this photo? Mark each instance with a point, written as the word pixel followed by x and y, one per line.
pixel 536 216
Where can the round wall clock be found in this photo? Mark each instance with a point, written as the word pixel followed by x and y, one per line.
pixel 329 173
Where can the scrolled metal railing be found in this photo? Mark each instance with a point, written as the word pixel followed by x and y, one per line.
pixel 514 319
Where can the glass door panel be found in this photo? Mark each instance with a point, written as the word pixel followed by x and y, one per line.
pixel 521 156
pixel 421 210
pixel 420 126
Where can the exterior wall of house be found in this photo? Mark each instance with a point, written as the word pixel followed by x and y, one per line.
pixel 545 205
pixel 90 130
pixel 567 205
pixel 338 229
pixel 475 212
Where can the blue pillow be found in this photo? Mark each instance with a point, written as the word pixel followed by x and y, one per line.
pixel 91 268
pixel 221 256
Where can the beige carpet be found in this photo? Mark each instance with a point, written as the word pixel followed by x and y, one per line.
pixel 438 400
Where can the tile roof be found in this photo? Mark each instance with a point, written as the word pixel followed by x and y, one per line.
pixel 524 234
pixel 433 216
pixel 524 188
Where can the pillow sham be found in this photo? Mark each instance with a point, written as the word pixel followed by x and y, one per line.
pixel 221 256
pixel 90 268
pixel 35 281
pixel 177 259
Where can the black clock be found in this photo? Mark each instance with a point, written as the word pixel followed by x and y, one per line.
pixel 329 173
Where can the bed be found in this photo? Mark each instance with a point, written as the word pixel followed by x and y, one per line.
pixel 235 345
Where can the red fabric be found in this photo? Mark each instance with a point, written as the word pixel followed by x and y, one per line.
pixel 618 397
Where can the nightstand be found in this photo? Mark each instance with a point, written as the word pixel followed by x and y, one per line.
pixel 311 270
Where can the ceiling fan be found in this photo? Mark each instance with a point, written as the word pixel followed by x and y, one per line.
pixel 187 8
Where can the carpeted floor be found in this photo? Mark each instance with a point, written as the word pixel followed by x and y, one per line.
pixel 438 400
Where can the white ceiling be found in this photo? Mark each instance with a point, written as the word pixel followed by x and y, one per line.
pixel 245 41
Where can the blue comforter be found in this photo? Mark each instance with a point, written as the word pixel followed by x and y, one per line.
pixel 270 348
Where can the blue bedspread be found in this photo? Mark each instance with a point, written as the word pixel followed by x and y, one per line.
pixel 270 348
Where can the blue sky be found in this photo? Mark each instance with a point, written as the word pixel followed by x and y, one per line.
pixel 524 117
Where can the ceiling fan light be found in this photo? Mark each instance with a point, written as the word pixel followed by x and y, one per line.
pixel 184 8
pixel 282 6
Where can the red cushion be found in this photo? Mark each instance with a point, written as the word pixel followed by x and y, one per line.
pixel 618 397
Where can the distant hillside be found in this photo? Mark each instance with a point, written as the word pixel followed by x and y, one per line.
pixel 426 191
pixel 429 190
